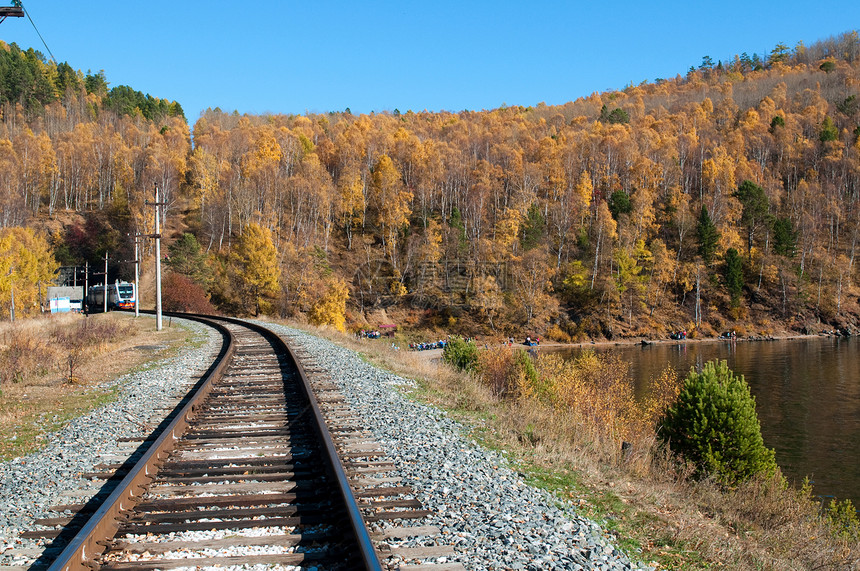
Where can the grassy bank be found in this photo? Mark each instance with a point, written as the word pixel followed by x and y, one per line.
pixel 648 500
pixel 51 369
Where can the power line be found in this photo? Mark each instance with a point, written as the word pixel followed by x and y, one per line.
pixel 27 12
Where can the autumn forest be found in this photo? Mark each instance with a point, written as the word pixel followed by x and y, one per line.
pixel 725 198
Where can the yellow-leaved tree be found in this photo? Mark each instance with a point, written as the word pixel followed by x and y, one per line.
pixel 330 309
pixel 351 202
pixel 27 268
pixel 532 303
pixel 391 203
pixel 256 269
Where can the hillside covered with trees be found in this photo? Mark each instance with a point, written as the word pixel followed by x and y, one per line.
pixel 724 198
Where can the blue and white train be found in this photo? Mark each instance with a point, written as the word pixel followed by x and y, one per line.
pixel 121 295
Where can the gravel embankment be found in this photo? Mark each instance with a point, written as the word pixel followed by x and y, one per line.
pixel 32 484
pixel 483 508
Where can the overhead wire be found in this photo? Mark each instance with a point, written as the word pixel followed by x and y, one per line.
pixel 27 12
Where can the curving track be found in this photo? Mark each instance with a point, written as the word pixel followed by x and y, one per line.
pixel 246 473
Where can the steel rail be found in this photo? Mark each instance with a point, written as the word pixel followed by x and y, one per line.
pixel 356 521
pixel 102 526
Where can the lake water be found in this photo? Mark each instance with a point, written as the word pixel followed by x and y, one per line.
pixel 807 397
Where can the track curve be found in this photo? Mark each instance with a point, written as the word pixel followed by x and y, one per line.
pixel 248 456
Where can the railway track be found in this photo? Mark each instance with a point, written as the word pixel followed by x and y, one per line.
pixel 263 464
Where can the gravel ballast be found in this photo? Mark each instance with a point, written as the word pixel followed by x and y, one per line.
pixel 484 509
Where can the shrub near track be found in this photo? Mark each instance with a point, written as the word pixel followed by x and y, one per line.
pixel 51 369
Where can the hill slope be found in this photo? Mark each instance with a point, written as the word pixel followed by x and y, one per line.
pixel 726 198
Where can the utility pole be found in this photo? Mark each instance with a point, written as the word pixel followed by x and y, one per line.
pixel 136 274
pixel 136 261
pixel 105 282
pixel 86 306
pixel 157 261
pixel 158 204
pixel 106 290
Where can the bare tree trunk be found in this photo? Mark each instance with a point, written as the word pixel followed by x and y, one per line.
pixel 851 257
pixel 596 254
pixel 763 257
pixel 698 312
pixel 839 293
pixel 820 278
pixel 784 290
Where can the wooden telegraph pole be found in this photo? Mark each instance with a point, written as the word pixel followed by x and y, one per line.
pixel 104 299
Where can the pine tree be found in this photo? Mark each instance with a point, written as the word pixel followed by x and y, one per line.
pixel 619 203
pixel 461 354
pixel 534 228
pixel 784 238
pixel 829 131
pixel 708 236
pixel 187 258
pixel 755 213
pixel 734 275
pixel 713 424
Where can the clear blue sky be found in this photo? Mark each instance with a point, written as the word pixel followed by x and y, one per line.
pixel 318 56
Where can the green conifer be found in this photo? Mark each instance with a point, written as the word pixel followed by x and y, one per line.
pixel 461 354
pixel 734 275
pixel 708 236
pixel 713 424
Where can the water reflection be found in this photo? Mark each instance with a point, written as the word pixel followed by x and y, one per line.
pixel 807 395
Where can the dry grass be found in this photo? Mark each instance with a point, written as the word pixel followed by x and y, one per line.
pixel 649 500
pixel 51 368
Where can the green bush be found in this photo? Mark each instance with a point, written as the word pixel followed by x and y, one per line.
pixel 526 371
pixel 460 354
pixel 713 424
pixel 843 519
